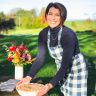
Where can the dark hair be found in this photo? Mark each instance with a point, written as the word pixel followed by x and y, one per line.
pixel 62 9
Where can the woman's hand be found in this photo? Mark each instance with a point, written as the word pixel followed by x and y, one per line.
pixel 44 90
pixel 27 79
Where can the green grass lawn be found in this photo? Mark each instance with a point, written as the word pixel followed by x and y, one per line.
pixel 20 31
pixel 87 41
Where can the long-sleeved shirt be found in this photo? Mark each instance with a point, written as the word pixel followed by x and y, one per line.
pixel 70 47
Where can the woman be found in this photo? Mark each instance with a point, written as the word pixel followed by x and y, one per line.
pixel 63 46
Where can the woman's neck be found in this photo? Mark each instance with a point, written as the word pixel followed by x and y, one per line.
pixel 55 29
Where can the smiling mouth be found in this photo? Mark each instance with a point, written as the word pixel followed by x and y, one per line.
pixel 53 22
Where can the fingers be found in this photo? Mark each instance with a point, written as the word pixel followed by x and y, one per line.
pixel 43 91
pixel 40 94
pixel 19 82
pixel 22 81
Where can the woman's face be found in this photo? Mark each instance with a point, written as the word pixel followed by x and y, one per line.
pixel 53 17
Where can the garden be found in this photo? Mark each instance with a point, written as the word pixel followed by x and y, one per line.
pixel 87 43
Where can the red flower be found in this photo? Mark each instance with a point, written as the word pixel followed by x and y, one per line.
pixel 12 48
pixel 21 47
pixel 18 55
pixel 9 58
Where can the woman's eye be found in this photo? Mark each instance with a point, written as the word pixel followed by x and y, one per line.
pixel 49 13
pixel 54 14
pixel 57 15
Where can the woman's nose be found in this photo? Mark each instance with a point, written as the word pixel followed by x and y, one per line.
pixel 53 17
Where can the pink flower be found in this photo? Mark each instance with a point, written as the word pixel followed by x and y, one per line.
pixel 29 57
pixel 23 56
pixel 19 55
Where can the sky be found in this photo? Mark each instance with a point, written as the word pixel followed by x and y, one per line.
pixel 76 9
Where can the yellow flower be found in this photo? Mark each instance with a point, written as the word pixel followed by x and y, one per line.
pixel 19 55
pixel 17 60
pixel 16 57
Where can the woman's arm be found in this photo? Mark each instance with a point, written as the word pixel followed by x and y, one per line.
pixel 37 63
pixel 68 45
pixel 40 57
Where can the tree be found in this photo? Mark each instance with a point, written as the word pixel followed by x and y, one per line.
pixel 2 16
pixel 42 15
pixel 6 25
pixel 33 16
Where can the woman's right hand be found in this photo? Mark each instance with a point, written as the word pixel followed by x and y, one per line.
pixel 24 80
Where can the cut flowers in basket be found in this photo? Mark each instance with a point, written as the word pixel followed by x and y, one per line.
pixel 18 55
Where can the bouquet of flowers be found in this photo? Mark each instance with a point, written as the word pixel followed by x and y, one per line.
pixel 18 55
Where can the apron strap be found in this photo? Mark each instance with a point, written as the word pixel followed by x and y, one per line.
pixel 59 36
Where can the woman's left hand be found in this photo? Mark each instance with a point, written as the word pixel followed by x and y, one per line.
pixel 44 90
